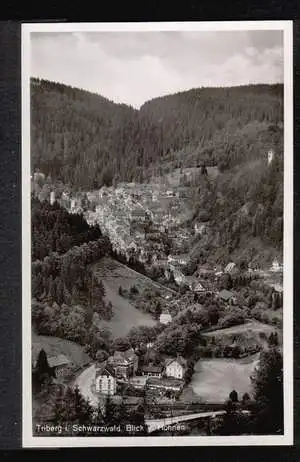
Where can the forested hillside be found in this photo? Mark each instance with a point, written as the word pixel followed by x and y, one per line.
pixel 87 141
pixel 55 230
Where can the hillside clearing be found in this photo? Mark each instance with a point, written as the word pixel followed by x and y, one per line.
pixel 125 316
pixel 250 334
pixel 251 326
pixel 54 346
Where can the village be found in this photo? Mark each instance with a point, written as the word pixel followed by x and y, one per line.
pixel 153 223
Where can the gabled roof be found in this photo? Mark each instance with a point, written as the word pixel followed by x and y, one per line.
pixel 225 294
pixel 230 267
pixel 179 360
pixel 105 371
pixel 128 355
pixel 59 360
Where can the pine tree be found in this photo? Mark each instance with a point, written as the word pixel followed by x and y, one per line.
pixel 268 391
pixel 42 373
pixel 71 407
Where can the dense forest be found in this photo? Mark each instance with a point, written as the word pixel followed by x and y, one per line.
pixel 87 140
pixel 68 300
pixel 53 229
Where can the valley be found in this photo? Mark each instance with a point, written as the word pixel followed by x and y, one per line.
pixel 162 258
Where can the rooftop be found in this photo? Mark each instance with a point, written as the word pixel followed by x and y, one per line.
pixel 154 369
pixel 225 294
pixel 59 360
pixel 179 359
pixel 105 370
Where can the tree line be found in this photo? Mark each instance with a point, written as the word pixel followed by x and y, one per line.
pixel 72 128
pixel 53 229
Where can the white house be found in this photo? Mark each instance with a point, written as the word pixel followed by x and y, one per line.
pixel 105 381
pixel 165 317
pixel 276 266
pixel 179 277
pixel 230 267
pixel 175 367
pixel 199 228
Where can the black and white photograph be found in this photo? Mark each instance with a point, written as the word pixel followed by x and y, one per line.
pixel 157 229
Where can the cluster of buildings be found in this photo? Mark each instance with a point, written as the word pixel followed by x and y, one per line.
pixel 124 213
pixel 165 379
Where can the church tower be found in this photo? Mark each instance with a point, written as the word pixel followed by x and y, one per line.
pixel 270 156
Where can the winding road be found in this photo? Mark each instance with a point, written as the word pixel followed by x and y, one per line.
pixel 84 382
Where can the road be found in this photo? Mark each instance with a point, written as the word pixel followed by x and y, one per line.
pixel 84 382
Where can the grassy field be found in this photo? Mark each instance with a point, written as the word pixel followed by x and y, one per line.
pixel 214 379
pixel 56 346
pixel 250 333
pixel 125 316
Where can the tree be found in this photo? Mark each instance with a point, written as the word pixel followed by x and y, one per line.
pixel 233 396
pixel 101 356
pixel 71 407
pixel 245 398
pixel 42 373
pixel 231 421
pixel 273 339
pixel 268 392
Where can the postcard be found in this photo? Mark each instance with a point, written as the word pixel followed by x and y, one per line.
pixel 157 189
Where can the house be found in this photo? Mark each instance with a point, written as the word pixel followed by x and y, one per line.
pixel 226 295
pixel 194 284
pixel 164 386
pixel 105 380
pixel 60 364
pixel 178 276
pixel 175 367
pixel 170 193
pixel 165 317
pixel 199 228
pixel 152 371
pixel 124 363
pixel 138 382
pixel 230 268
pixel 276 266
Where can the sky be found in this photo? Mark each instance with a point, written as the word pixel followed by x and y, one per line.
pixel 134 67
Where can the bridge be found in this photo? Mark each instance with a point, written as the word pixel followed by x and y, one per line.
pixel 157 424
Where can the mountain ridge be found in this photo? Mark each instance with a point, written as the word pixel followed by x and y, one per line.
pixel 87 141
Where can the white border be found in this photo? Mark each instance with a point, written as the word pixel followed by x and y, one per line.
pixel 29 441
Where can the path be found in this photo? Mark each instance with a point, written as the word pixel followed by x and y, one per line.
pixel 84 382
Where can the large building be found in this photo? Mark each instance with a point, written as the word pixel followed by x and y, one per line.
pixel 152 371
pixel 105 381
pixel 175 367
pixel 124 364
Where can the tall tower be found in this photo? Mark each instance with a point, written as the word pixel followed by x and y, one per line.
pixel 52 197
pixel 270 156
